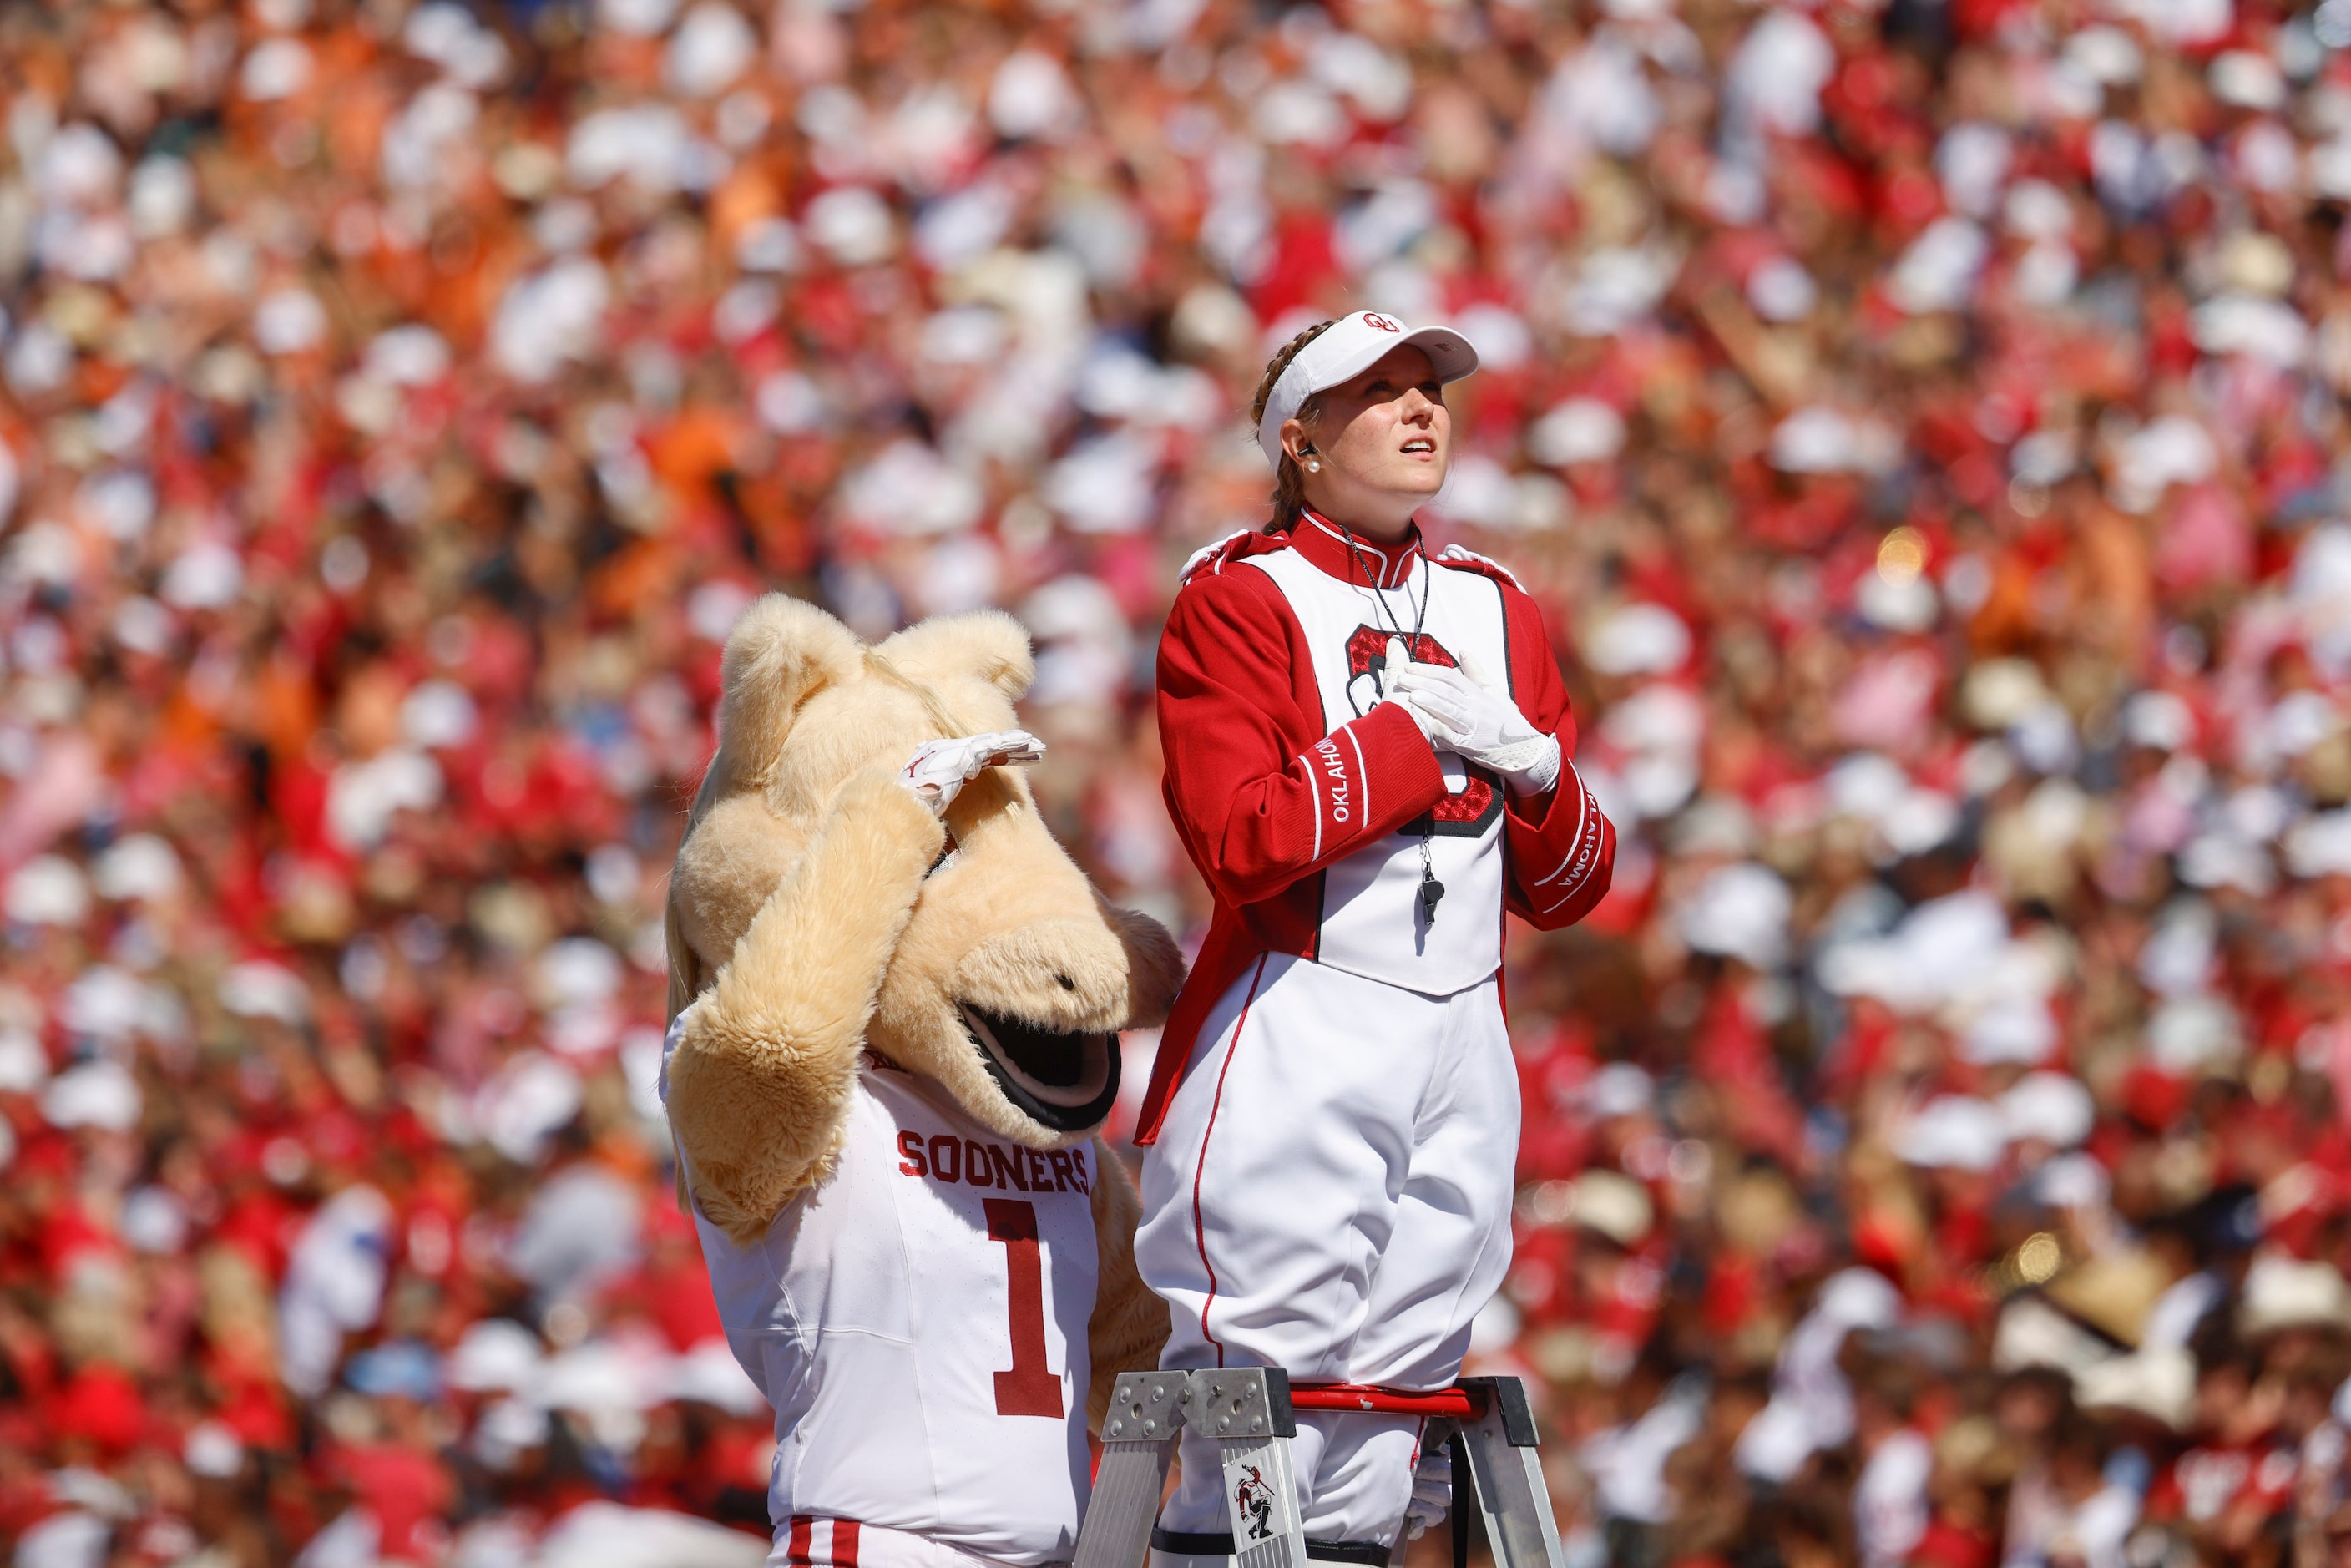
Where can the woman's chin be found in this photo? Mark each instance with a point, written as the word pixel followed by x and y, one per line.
pixel 1378 494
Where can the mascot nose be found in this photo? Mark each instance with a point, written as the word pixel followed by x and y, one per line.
pixel 1072 974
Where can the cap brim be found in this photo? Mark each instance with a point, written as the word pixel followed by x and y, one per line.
pixel 1447 350
pixel 1449 353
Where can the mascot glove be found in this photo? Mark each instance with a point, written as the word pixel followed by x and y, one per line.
pixel 940 768
pixel 1471 715
pixel 1432 1493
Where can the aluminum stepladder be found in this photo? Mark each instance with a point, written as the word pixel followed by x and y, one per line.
pixel 1251 1414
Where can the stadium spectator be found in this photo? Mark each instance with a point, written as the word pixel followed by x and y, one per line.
pixel 1922 424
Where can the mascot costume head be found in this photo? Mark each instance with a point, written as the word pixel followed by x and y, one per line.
pixel 820 911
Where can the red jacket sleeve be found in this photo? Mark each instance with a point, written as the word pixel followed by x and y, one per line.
pixel 1261 796
pixel 1561 850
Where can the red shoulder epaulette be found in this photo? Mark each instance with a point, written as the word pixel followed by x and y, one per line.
pixel 1484 566
pixel 1233 547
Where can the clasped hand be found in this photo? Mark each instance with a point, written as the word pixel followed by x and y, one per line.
pixel 1469 712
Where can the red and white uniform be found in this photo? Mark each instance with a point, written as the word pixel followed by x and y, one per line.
pixel 1333 1119
pixel 1300 802
pixel 918 1321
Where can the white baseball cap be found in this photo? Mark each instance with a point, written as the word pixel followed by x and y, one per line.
pixel 1349 347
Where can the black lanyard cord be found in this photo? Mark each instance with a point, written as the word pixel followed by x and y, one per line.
pixel 1431 890
pixel 1379 598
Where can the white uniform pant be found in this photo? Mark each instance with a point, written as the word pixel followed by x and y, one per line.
pixel 1331 1195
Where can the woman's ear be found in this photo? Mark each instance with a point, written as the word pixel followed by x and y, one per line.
pixel 1295 440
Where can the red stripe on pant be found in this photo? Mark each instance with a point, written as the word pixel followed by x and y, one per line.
pixel 799 1549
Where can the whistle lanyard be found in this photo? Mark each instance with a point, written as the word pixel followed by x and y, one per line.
pixel 1431 890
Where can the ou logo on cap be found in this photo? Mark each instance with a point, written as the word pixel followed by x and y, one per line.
pixel 1382 322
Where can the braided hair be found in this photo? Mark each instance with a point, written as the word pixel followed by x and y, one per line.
pixel 1289 483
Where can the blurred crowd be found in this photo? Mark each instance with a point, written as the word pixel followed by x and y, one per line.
pixel 1921 422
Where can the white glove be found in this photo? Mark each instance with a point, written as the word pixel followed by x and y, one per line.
pixel 1432 1493
pixel 1471 715
pixel 1391 691
pixel 940 768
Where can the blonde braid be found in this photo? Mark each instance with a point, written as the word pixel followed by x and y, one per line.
pixel 1288 484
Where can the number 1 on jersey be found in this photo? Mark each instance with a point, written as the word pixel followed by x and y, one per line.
pixel 1030 1388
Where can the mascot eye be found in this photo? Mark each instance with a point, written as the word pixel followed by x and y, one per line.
pixel 1067 984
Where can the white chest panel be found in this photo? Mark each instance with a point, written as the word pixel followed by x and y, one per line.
pixel 919 1323
pixel 1372 922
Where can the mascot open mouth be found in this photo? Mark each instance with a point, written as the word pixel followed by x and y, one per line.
pixel 1062 1081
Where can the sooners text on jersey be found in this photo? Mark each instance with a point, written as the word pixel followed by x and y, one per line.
pixel 918 1321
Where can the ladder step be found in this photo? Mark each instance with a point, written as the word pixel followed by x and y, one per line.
pixel 1250 1413
pixel 1508 1473
pixel 1371 1399
pixel 1138 1444
pixel 1247 1411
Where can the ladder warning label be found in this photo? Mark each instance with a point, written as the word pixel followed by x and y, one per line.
pixel 1257 1516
